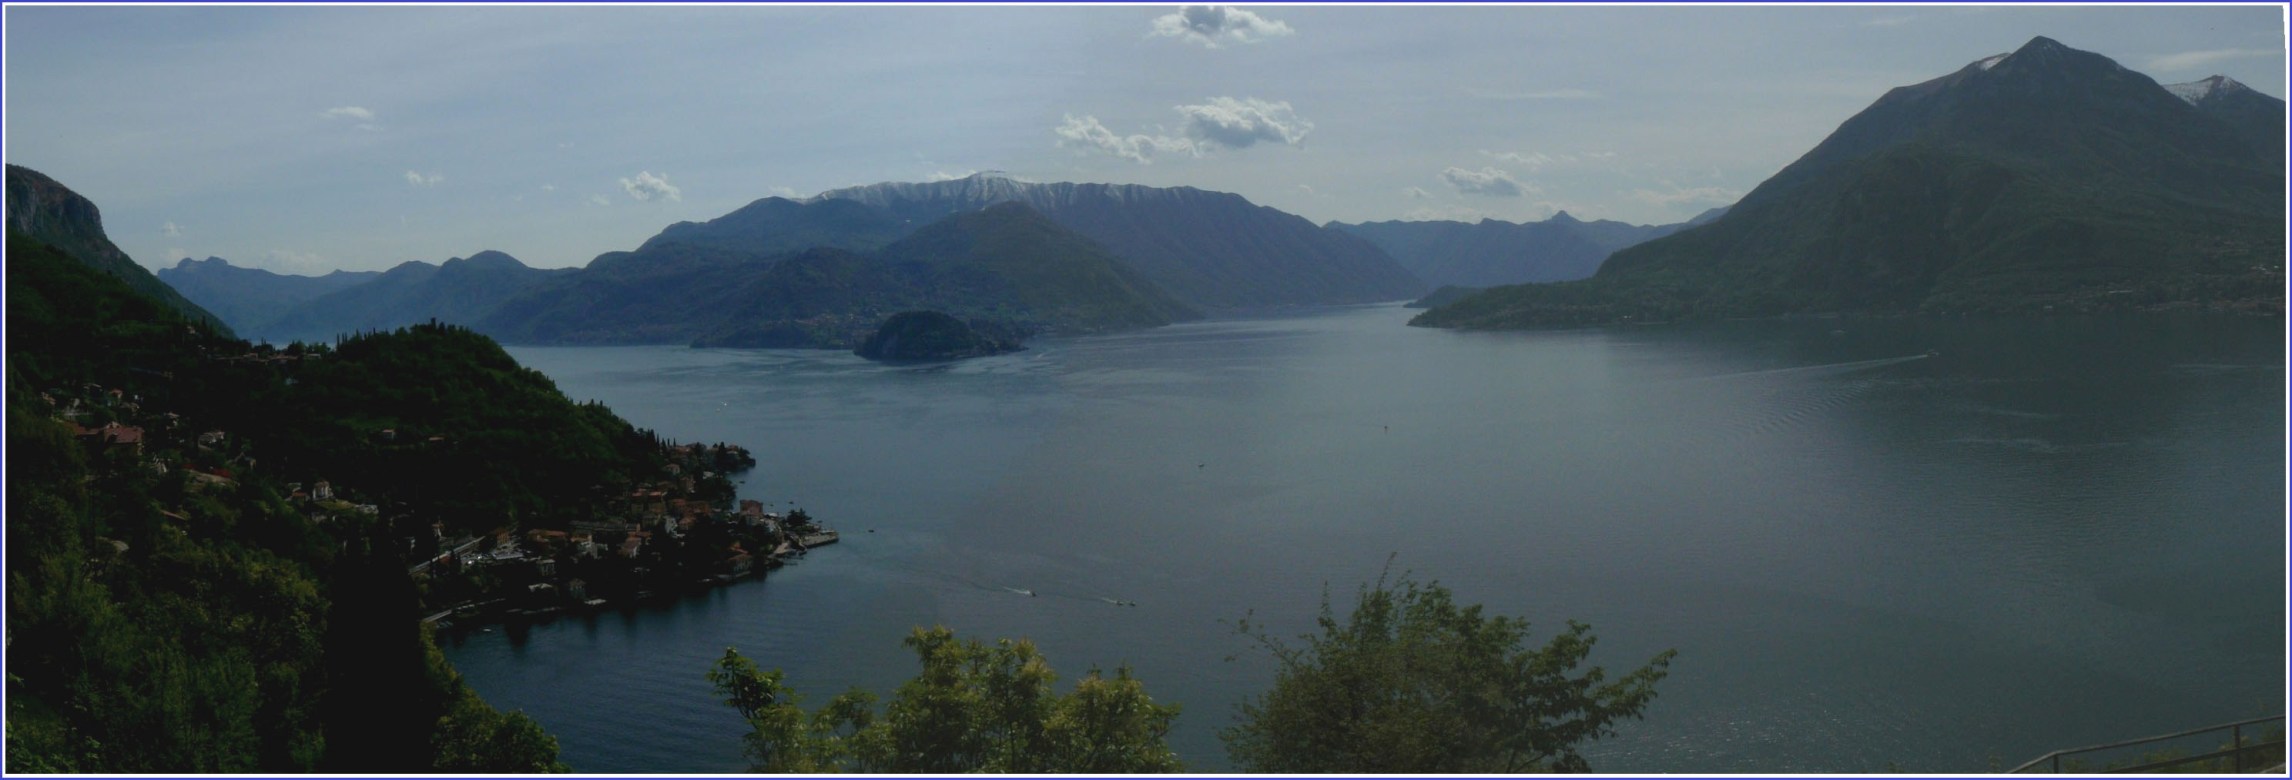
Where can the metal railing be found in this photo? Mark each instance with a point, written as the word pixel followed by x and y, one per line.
pixel 2238 751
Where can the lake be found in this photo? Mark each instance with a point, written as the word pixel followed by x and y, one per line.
pixel 2045 534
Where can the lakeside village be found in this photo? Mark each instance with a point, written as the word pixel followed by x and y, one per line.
pixel 665 537
pixel 660 541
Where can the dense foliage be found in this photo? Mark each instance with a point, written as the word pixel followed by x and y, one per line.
pixel 930 335
pixel 974 708
pixel 445 422
pixel 170 610
pixel 1412 682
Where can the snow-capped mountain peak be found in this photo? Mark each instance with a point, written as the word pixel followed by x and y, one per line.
pixel 2197 91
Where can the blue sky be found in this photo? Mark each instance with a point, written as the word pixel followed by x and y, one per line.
pixel 305 139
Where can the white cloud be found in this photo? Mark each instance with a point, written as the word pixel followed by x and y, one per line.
pixel 785 192
pixel 1416 193
pixel 1236 124
pixel 2197 59
pixel 1209 24
pixel 170 229
pixel 178 252
pixel 1486 181
pixel 935 176
pixel 296 262
pixel 600 200
pixel 549 188
pixel 1310 192
pixel 1222 122
pixel 1676 195
pixel 1087 131
pixel 347 112
pixel 648 186
pixel 420 179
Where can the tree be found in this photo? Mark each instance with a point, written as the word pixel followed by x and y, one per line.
pixel 1413 683
pixel 382 702
pixel 974 708
pixel 474 738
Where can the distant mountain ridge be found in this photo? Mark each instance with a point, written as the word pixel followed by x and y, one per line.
pixel 1005 263
pixel 458 291
pixel 44 210
pixel 250 299
pixel 871 251
pixel 2048 177
pixel 1212 250
pixel 772 226
pixel 1493 252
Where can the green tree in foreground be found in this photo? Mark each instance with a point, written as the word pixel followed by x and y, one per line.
pixel 974 708
pixel 1412 683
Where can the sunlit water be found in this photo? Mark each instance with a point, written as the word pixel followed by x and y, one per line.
pixel 2051 533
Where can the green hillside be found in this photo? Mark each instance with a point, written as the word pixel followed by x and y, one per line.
pixel 41 209
pixel 208 540
pixel 2048 178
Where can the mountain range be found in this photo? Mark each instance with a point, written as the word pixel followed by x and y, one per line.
pixel 1063 258
pixel 249 298
pixel 460 290
pixel 2044 178
pixel 1213 250
pixel 1493 252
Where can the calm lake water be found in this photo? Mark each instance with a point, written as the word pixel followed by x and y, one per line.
pixel 2052 533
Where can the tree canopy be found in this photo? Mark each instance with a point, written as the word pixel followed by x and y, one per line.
pixel 1411 682
pixel 161 624
pixel 974 708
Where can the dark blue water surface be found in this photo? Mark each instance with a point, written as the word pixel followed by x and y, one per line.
pixel 2050 533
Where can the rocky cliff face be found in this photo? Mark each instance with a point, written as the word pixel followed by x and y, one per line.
pixel 44 210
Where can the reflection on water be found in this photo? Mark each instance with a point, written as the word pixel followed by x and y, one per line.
pixel 1905 542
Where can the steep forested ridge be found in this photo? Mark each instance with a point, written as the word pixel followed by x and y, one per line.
pixel 2044 178
pixel 208 539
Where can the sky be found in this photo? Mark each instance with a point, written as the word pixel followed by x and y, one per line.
pixel 308 139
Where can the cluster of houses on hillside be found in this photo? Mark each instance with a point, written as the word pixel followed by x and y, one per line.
pixel 659 538
pixel 112 423
pixel 679 529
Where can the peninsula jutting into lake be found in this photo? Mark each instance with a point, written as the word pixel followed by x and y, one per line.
pixel 1106 390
